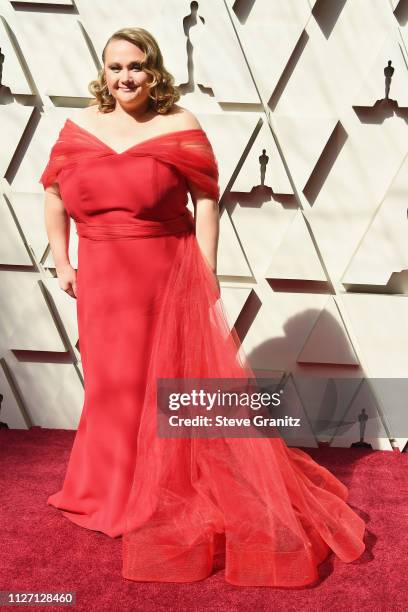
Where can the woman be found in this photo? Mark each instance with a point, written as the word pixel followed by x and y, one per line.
pixel 148 309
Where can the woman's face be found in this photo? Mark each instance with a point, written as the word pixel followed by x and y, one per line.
pixel 126 81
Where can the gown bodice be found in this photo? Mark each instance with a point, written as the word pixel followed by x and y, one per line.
pixel 149 180
pixel 122 187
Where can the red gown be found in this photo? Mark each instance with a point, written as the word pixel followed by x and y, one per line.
pixel 148 306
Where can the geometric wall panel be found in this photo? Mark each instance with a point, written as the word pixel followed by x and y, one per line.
pixel 380 326
pixel 39 52
pixel 28 208
pixel 350 428
pixel 313 186
pixel 234 299
pixel 13 75
pixel 58 2
pixel 73 67
pixel 328 341
pixel 53 393
pixel 383 248
pixel 280 329
pixel 231 258
pixel 326 402
pixel 263 166
pixel 293 404
pixel 281 22
pixel 268 223
pixel 296 256
pixel 331 66
pixel 230 153
pixel 303 140
pixel 392 396
pixel 12 249
pixel 359 180
pixel 28 321
pixel 13 121
pixel 373 86
pixel 225 73
pixel 403 31
pixel 10 409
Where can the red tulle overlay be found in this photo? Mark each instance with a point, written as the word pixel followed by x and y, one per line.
pixel 278 511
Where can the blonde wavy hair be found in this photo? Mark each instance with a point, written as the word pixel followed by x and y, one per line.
pixel 163 92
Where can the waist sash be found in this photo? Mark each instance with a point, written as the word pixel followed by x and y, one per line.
pixel 137 228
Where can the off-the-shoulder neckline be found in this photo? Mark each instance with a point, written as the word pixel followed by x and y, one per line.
pixel 138 144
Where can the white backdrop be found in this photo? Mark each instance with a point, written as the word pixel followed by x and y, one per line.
pixel 313 258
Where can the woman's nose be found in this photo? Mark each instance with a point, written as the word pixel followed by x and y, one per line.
pixel 125 74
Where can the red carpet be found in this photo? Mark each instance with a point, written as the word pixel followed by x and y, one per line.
pixel 43 551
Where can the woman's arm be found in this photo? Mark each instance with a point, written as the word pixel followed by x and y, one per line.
pixel 207 224
pixel 57 224
pixel 207 227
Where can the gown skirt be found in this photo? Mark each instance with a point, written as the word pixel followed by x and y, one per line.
pixel 149 308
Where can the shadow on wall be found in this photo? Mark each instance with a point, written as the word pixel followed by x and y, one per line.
pixel 401 12
pixel 346 402
pixel 191 21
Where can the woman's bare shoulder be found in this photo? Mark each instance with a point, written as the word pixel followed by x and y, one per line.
pixel 182 118
pixel 84 116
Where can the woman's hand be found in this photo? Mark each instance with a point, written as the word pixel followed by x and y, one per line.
pixel 67 279
pixel 57 224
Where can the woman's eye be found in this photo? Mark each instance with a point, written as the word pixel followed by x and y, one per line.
pixel 134 67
